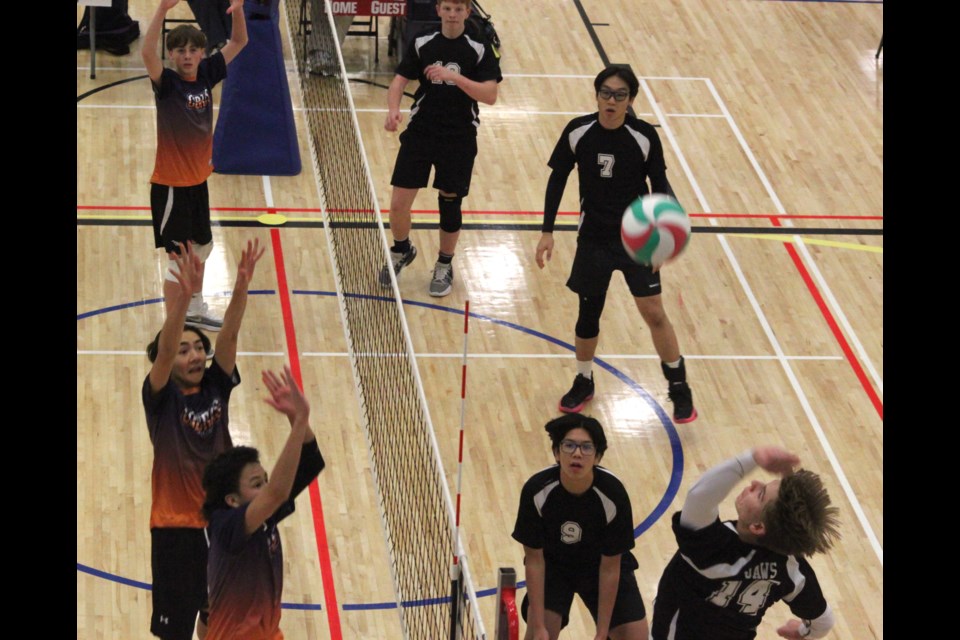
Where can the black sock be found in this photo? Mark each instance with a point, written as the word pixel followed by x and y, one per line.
pixel 443 258
pixel 401 246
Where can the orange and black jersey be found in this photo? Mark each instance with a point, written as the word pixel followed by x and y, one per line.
pixel 187 431
pixel 185 124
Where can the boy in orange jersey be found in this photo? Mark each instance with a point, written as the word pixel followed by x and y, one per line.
pixel 179 199
pixel 245 570
pixel 186 407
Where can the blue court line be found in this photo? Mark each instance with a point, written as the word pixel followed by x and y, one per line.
pixel 149 587
pixel 676 448
pixel 142 303
pixel 675 445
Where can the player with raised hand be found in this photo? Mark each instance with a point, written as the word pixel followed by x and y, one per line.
pixel 725 575
pixel 186 404
pixel 245 569
pixel 179 198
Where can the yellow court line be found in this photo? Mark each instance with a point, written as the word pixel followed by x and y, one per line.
pixel 823 243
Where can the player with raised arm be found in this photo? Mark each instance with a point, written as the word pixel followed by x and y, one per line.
pixel 725 575
pixel 245 570
pixel 186 405
pixel 179 198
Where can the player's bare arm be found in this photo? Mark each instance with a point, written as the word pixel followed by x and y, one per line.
pixel 187 275
pixel 226 353
pixel 394 94
pixel 607 593
pixel 151 40
pixel 485 92
pixel 238 33
pixel 286 397
pixel 535 568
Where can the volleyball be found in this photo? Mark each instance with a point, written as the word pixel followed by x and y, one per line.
pixel 654 229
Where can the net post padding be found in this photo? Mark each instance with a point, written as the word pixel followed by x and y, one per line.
pixel 508 621
pixel 413 497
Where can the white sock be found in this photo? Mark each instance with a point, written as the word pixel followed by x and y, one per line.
pixel 585 368
pixel 674 365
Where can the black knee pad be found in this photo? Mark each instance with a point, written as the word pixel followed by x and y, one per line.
pixel 451 217
pixel 588 318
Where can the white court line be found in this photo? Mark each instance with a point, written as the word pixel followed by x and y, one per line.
pixel 794 383
pixel 479 356
pixel 801 246
pixel 488 112
pixel 99 352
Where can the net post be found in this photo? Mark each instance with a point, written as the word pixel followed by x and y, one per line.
pixel 456 593
pixel 507 625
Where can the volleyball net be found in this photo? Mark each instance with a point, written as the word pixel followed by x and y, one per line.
pixel 414 500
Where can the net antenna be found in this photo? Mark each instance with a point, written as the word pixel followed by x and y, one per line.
pixel 413 498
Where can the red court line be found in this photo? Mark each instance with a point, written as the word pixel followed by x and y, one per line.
pixel 479 212
pixel 316 504
pixel 832 323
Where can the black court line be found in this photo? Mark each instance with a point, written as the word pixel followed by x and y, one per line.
pixel 592 32
pixel 108 86
pixel 491 226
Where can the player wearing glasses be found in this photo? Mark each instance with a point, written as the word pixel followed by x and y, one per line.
pixel 576 527
pixel 616 154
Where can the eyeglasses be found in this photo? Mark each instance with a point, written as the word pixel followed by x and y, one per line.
pixel 570 447
pixel 619 96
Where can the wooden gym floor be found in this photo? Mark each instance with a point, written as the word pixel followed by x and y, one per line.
pixel 771 116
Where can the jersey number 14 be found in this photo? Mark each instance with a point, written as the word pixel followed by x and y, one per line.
pixel 752 599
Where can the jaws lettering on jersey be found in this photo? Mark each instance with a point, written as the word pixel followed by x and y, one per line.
pixel 198 102
pixel 762 571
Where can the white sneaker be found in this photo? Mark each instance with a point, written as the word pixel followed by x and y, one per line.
pixel 442 282
pixel 199 314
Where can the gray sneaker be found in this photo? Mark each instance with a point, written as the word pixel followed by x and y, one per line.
pixel 442 282
pixel 399 261
pixel 199 314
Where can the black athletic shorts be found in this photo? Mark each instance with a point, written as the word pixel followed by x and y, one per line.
pixel 180 214
pixel 595 262
pixel 563 583
pixel 179 558
pixel 452 156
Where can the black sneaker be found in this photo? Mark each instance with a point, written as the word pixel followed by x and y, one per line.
pixel 682 398
pixel 399 260
pixel 579 394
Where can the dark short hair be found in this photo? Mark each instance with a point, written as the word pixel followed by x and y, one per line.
pixel 558 428
pixel 801 521
pixel 621 71
pixel 154 346
pixel 222 477
pixel 184 35
pixel 469 3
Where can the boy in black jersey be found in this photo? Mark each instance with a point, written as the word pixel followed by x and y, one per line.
pixel 576 527
pixel 455 72
pixel 615 154
pixel 725 575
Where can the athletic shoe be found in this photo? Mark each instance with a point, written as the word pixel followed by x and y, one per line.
pixel 579 394
pixel 199 314
pixel 399 260
pixel 442 282
pixel 682 398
